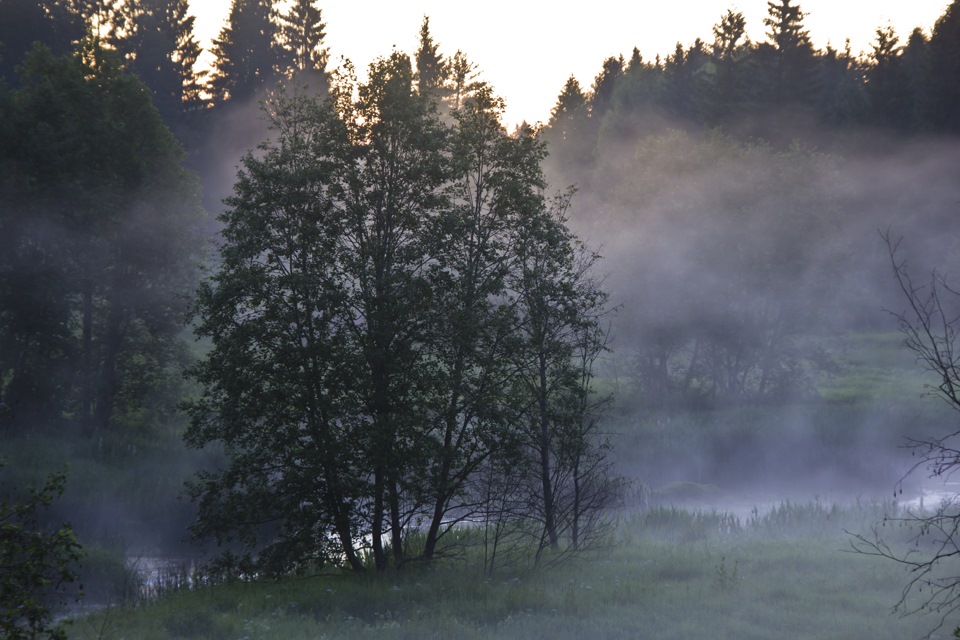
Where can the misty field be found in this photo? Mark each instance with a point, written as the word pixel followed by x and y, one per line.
pixel 668 573
pixel 730 541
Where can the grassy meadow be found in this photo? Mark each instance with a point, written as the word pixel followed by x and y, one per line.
pixel 668 573
pixel 687 556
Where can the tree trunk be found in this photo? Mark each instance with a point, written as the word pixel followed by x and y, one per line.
pixel 396 526
pixel 115 331
pixel 549 511
pixel 86 365
pixel 376 532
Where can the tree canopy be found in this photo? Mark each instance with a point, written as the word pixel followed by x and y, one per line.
pixel 389 283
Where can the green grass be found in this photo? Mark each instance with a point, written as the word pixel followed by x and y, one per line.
pixel 872 366
pixel 669 574
pixel 672 573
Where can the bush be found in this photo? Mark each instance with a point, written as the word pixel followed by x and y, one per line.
pixel 35 565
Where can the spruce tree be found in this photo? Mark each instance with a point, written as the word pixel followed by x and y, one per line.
pixel 942 100
pixel 155 38
pixel 302 33
pixel 432 69
pixel 246 51
pixel 788 58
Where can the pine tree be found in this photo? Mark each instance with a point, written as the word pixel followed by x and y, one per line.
pixel 302 33
pixel 725 88
pixel 887 85
pixel 604 86
pixel 570 133
pixel 55 24
pixel 246 51
pixel 942 100
pixel 842 93
pixel 788 58
pixel 155 38
pixel 916 64
pixel 682 93
pixel 432 69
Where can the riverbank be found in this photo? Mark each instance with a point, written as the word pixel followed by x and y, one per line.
pixel 667 573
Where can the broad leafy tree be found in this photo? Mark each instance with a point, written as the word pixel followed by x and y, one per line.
pixel 367 326
pixel 36 564
pixel 560 308
pixel 101 213
pixel 392 199
pixel 279 386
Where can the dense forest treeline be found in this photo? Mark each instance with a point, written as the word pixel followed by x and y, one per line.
pixel 904 82
pixel 735 188
pixel 782 90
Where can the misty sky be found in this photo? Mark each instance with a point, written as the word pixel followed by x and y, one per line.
pixel 528 49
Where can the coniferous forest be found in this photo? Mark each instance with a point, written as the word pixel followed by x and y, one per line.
pixel 277 319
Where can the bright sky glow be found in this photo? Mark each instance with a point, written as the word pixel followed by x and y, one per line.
pixel 527 50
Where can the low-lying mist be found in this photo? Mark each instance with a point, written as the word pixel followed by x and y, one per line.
pixel 750 277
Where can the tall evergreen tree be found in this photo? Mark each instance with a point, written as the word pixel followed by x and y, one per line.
pixel 604 87
pixel 246 51
pixel 302 33
pixel 887 85
pixel 571 106
pixel 942 99
pixel 842 95
pixel 682 82
pixel 569 132
pixel 916 65
pixel 726 87
pixel 432 68
pixel 56 24
pixel 156 40
pixel 788 59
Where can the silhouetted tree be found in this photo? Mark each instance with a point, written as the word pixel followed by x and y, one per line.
pixel 570 133
pixel 916 64
pixel 683 80
pixel 155 38
pixel 726 83
pixel 432 69
pixel 246 51
pixel 560 306
pixel 942 98
pixel 373 291
pixel 930 328
pixel 302 33
pixel 462 79
pixel 887 84
pixel 604 87
pixel 788 60
pixel 56 24
pixel 97 198
pixel 842 94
